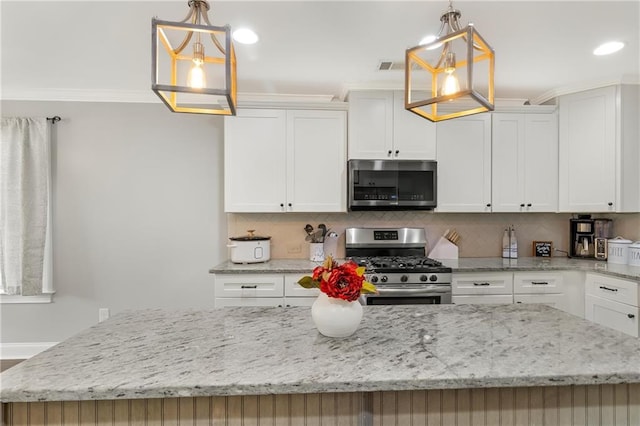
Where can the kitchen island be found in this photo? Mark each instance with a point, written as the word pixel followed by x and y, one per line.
pixel 404 365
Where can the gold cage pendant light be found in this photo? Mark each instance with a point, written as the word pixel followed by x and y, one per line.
pixel 198 75
pixel 441 77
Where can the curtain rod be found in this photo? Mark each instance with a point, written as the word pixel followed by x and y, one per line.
pixel 54 119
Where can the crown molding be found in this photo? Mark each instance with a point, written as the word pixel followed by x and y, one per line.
pixel 567 90
pixel 245 100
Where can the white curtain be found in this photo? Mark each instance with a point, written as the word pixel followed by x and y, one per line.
pixel 25 187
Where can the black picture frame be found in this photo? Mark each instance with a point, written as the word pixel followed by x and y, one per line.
pixel 542 248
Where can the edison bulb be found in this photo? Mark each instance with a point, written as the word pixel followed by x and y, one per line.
pixel 451 85
pixel 196 78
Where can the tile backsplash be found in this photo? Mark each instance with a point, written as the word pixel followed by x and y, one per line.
pixel 481 233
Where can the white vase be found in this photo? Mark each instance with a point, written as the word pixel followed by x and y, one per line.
pixel 336 317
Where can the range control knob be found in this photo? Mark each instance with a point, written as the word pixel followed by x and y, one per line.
pixel 384 279
pixel 374 279
pixel 423 278
pixel 433 278
pixel 404 278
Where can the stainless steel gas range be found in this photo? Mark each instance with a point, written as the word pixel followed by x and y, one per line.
pixel 396 263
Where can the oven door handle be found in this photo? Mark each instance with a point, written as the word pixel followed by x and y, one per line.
pixel 426 291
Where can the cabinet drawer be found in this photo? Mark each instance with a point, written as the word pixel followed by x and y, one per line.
pixel 529 283
pixel 249 285
pixel 611 288
pixel 228 302
pixel 482 284
pixel 293 289
pixel 618 316
pixel 490 299
pixel 555 300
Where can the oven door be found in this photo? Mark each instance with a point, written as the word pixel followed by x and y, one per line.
pixel 432 295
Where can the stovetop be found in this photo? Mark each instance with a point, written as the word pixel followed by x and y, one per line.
pixel 404 264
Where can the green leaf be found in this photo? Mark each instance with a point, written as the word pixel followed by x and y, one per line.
pixel 308 282
pixel 368 288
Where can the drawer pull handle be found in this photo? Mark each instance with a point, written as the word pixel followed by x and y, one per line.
pixel 539 283
pixel 249 286
pixel 631 315
pixel 607 288
pixel 481 284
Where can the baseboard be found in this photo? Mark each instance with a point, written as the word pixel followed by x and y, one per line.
pixel 23 350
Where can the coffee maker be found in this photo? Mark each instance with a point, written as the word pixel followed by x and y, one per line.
pixel 588 237
pixel 581 237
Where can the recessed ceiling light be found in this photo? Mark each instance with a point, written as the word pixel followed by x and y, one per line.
pixel 608 48
pixel 245 36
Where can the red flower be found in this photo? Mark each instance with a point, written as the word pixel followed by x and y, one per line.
pixel 344 281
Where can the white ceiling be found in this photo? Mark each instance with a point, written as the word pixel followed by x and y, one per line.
pixel 91 49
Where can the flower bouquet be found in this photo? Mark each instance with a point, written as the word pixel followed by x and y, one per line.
pixel 336 312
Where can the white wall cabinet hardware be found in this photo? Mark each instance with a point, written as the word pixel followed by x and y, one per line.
pixel 261 290
pixel 599 151
pixel 380 128
pixel 482 288
pixel 613 302
pixel 524 162
pixel 276 159
pixel 464 164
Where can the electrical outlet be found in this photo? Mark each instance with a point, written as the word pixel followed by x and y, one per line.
pixel 103 314
pixel 294 248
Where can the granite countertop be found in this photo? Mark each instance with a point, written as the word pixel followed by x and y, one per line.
pixel 234 351
pixel 468 264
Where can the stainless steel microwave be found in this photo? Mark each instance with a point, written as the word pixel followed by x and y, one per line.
pixel 392 184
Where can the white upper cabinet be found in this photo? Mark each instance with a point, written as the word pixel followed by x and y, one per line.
pixel 599 150
pixel 380 128
pixel 524 162
pixel 464 164
pixel 285 161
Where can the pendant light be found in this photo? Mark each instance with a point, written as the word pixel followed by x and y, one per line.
pixel 441 76
pixel 194 63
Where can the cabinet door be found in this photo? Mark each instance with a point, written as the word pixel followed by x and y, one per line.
pixel 254 152
pixel 414 137
pixel 540 157
pixel 587 129
pixel 227 302
pixel 524 163
pixel 508 162
pixel 316 161
pixel 464 164
pixel 619 316
pixel 492 299
pixel 371 124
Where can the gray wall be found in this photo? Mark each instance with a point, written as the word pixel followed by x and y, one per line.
pixel 138 217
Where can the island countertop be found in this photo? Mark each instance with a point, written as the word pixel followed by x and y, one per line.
pixel 468 264
pixel 254 351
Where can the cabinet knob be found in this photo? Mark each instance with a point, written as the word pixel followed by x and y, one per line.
pixel 389 153
pixel 397 151
pixel 529 205
pixel 609 203
pixel 522 205
pixel 289 204
pixel 281 204
pixel 488 204
pixel 631 315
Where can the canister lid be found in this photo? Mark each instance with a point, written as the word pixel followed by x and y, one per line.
pixel 619 240
pixel 635 245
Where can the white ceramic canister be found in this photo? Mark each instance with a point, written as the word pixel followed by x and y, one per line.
pixel 634 254
pixel 619 250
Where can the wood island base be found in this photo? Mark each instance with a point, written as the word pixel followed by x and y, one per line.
pixel 552 405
